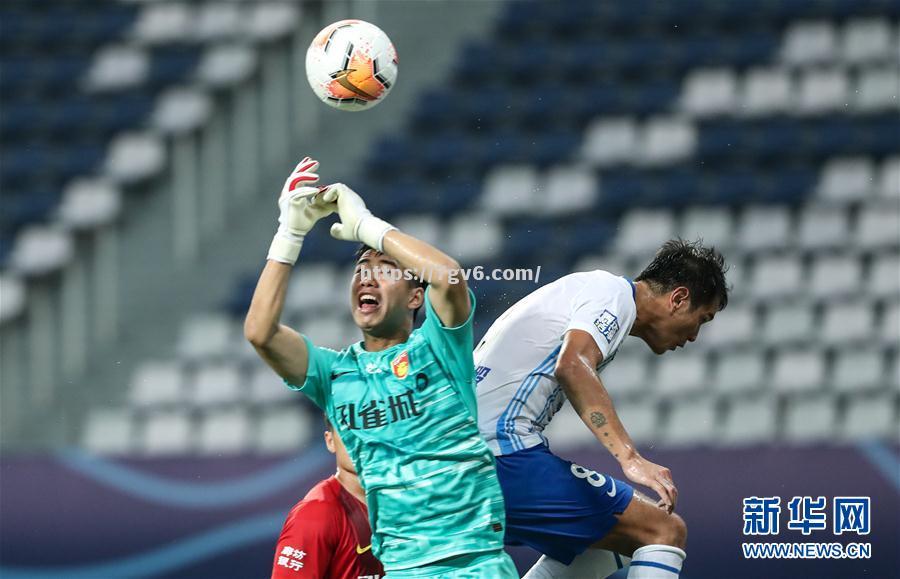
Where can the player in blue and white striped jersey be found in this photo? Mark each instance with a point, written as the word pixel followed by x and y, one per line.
pixel 551 346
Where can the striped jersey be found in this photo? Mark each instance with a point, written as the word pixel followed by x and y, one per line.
pixel 518 393
pixel 407 416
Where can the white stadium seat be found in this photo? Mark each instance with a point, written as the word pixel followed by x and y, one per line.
pixel 800 370
pixel 217 384
pixel 871 417
pixel 823 228
pixel 889 179
pixel 739 373
pixel 156 383
pixel 568 431
pixel 767 91
pixel 878 227
pixel 117 67
pixel 890 325
pixel 764 228
pixel 848 323
pixel 627 376
pixel 809 42
pixel 569 189
pixel 164 23
pixel 283 430
pixel 884 276
pixel 810 419
pixel 736 325
pixel 204 336
pixel 868 40
pixel 167 433
pixel 791 323
pixel 109 431
pixel 226 65
pixel 315 287
pixel 613 263
pixel 610 141
pixel 823 91
pixel 846 179
pixel 682 375
pixel 510 189
pixel 776 277
pixel 218 20
pixel 642 231
pixel 666 140
pixel 330 330
pixel 857 370
pixel 134 157
pixel 749 422
pixel 708 92
pixel 425 227
pixel 835 276
pixel 691 422
pixel 641 420
pixel 224 432
pixel 267 387
pixel 876 89
pixel 714 225
pixel 474 236
pixel 271 20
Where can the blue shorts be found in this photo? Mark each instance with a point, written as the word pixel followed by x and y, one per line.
pixel 555 506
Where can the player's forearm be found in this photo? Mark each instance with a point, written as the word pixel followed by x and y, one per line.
pixel 264 314
pixel 591 401
pixel 434 266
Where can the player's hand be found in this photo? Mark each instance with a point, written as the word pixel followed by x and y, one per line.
pixel 300 206
pixel 654 476
pixel 357 222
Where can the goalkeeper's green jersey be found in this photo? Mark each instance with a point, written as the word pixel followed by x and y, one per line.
pixel 407 416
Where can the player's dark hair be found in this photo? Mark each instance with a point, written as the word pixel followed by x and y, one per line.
pixel 328 425
pixel 689 264
pixel 414 282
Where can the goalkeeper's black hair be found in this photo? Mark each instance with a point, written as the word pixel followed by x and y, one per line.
pixel 328 425
pixel 414 282
pixel 692 265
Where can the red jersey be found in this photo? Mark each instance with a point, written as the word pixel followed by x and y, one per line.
pixel 326 536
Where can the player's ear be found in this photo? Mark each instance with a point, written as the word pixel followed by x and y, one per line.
pixel 680 298
pixel 329 441
pixel 416 298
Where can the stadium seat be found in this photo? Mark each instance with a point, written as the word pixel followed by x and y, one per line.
pixel 791 323
pixel 764 228
pixel 810 419
pixel 876 89
pixel 612 263
pixel 40 250
pixel 89 203
pixel 889 179
pixel 510 190
pixel 691 423
pixel 749 422
pixel 224 432
pixel 890 324
pixel 568 431
pixel 823 91
pixel 134 157
pixel 709 92
pixel 331 330
pixel 735 326
pixel 823 228
pixel 767 91
pixel 684 375
pixel 835 276
pixel 739 373
pixel 181 110
pixel 156 383
pixel 628 377
pixel 851 322
pixel 266 387
pixel 164 23
pixel 858 370
pixel 170 432
pixel 610 141
pixel 217 384
pixel 642 231
pixel 846 179
pixel 568 189
pixel 226 65
pixel 776 277
pixel 474 236
pixel 314 288
pixel 666 140
pixel 268 21
pixel 281 430
pixel 109 431
pixel 884 276
pixel 13 303
pixel 641 420
pixel 218 21
pixel 715 225
pixel 425 227
pixel 204 336
pixel 809 42
pixel 117 67
pixel 797 371
pixel 867 40
pixel 878 227
pixel 870 418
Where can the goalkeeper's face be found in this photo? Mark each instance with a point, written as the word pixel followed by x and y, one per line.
pixel 383 297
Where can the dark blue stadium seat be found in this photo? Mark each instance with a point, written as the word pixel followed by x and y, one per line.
pixel 171 65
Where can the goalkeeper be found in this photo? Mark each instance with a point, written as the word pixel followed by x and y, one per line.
pixel 403 400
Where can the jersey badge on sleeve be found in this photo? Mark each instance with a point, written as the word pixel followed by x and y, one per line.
pixel 400 365
pixel 608 325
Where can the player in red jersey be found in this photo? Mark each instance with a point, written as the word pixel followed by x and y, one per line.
pixel 327 534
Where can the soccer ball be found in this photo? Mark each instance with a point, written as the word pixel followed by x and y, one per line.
pixel 351 65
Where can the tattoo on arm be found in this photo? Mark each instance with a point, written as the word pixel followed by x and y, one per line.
pixel 598 419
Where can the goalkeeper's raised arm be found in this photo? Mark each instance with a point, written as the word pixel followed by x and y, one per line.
pixel 281 347
pixel 449 293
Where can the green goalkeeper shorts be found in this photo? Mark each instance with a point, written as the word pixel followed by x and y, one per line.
pixel 493 564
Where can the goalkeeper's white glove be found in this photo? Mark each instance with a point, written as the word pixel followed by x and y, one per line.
pixel 300 207
pixel 357 222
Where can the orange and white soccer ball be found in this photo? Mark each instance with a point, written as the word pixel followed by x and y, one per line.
pixel 351 65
